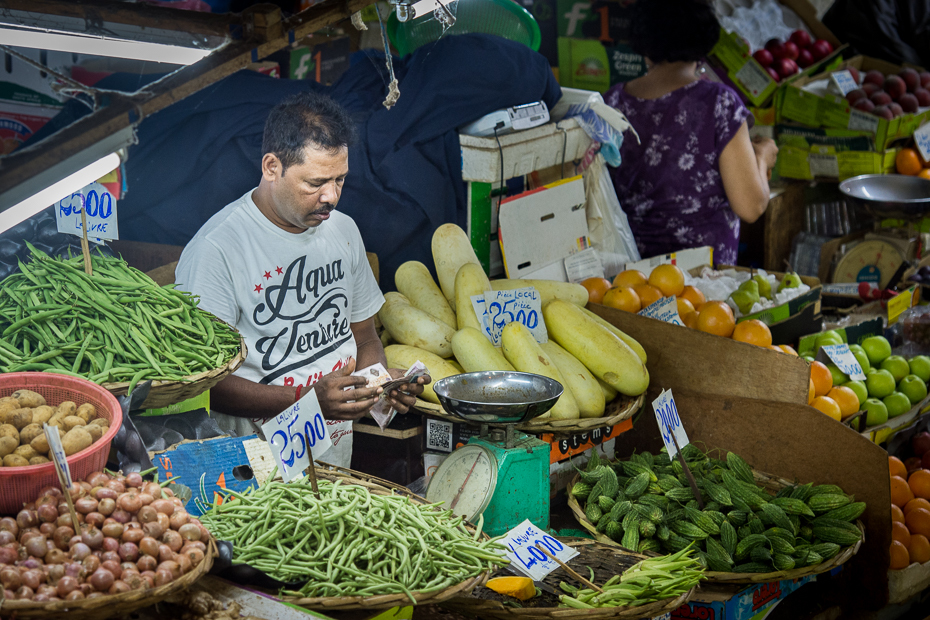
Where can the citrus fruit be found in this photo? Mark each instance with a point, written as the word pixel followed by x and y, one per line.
pixel 754 332
pixel 684 307
pixel 919 481
pixel 690 320
pixel 630 277
pixel 823 380
pixel 622 298
pixel 648 294
pixel 918 521
pixel 771 347
pixel 787 348
pixel 900 533
pixel 669 279
pixel 924 174
pixel 901 494
pixel 896 467
pixel 827 405
pixel 907 161
pixel 811 392
pixel 694 295
pixel 917 502
pixel 596 288
pixel 918 548
pixel 899 556
pixel 897 514
pixel 716 317
pixel 846 399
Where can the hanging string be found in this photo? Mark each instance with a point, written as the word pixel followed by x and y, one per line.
pixel 393 89
pixel 74 88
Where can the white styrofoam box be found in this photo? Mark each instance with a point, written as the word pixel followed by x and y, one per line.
pixel 23 83
pixel 685 259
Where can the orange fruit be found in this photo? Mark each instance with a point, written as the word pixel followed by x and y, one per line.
pixel 907 161
pixel 669 279
pixel 716 317
pixel 596 288
pixel 917 502
pixel 823 380
pixel 811 392
pixel 787 348
pixel 896 467
pixel 846 399
pixel 630 277
pixel 924 174
pixel 684 307
pixel 648 294
pixel 694 295
pixel 754 332
pixel 901 494
pixel 622 298
pixel 918 548
pixel 918 521
pixel 900 558
pixel 900 533
pixel 690 320
pixel 919 481
pixel 827 405
pixel 771 347
pixel 897 514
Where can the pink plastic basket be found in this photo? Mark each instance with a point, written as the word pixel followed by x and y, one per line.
pixel 19 485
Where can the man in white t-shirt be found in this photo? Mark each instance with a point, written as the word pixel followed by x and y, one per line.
pixel 291 275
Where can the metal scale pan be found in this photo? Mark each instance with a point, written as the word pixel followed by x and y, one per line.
pixel 889 195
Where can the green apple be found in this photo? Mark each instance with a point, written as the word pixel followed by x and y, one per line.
pixel 877 348
pixel 880 383
pixel 897 403
pixel 863 359
pixel 897 366
pixel 914 388
pixel 876 412
pixel 920 366
pixel 838 377
pixel 828 337
pixel 859 388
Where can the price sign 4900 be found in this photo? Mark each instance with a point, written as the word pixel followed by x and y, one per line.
pixel 295 433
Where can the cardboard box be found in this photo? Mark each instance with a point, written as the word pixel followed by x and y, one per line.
pixel 685 259
pixel 833 111
pixel 269 68
pixel 737 602
pixel 319 58
pixel 22 83
pixel 18 122
pixel 583 64
pixel 829 154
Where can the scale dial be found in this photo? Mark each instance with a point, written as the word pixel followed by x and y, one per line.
pixel 870 261
pixel 465 481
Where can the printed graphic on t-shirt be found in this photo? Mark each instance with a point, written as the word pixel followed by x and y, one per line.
pixel 307 312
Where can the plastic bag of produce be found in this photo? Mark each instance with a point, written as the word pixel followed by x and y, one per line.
pixel 608 226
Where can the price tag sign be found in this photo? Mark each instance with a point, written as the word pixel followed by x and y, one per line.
pixel 753 77
pixel 521 544
pixel 665 309
pixel 583 265
pixel 669 423
pixel 824 165
pixel 100 211
pixel 922 140
pixel 844 82
pixel 481 311
pixel 522 305
pixel 862 121
pixel 57 452
pixel 287 435
pixel 840 355
pixel 901 302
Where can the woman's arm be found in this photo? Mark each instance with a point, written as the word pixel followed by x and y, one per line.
pixel 744 168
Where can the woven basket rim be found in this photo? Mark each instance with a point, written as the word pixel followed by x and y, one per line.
pixel 111 604
pixel 773 481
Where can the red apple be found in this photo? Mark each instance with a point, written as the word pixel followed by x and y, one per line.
pixel 820 49
pixel 805 59
pixel 925 79
pixel 855 74
pixel 913 464
pixel 896 109
pixel 874 77
pixel 880 98
pixel 791 50
pixel 800 38
pixel 855 95
pixel 865 105
pixel 776 47
pixel 909 103
pixel 870 88
pixel 884 112
pixel 920 443
pixel 786 67
pixel 895 86
pixel 911 79
pixel 774 74
pixel 763 57
pixel 923 97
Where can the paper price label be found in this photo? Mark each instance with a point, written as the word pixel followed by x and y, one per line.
pixel 481 311
pixel 293 431
pixel 844 82
pixel 665 309
pixel 670 426
pixel 583 265
pixel 99 206
pixel 922 140
pixel 862 121
pixel 840 355
pixel 57 452
pixel 521 544
pixel 753 77
pixel 824 165
pixel 522 305
pixel 901 302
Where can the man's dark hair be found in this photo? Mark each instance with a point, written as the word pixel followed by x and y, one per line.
pixel 673 30
pixel 302 120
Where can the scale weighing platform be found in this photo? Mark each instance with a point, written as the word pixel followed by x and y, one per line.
pixel 502 473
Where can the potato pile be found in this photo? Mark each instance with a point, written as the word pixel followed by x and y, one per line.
pixel 22 440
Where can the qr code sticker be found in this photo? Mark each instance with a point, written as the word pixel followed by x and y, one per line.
pixel 438 435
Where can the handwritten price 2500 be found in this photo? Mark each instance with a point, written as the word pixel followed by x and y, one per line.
pixel 314 429
pixel 500 315
pixel 95 205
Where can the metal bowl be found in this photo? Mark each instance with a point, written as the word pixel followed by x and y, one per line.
pixel 888 195
pixel 497 396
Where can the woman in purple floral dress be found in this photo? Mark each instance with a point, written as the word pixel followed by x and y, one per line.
pixel 695 173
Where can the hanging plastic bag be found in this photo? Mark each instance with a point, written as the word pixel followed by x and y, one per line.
pixel 608 227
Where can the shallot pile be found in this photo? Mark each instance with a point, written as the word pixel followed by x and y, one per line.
pixel 133 535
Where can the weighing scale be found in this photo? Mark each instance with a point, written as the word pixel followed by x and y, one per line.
pixel 502 473
pixel 871 260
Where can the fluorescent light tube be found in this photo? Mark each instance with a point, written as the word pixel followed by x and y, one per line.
pixel 99 46
pixel 56 191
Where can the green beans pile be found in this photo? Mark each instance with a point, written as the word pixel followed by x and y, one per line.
pixel 350 542
pixel 116 325
pixel 652 580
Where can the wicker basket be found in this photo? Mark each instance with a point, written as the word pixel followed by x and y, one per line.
pixel 378 486
pixel 110 605
pixel 769 483
pixel 605 560
pixel 618 410
pixel 167 393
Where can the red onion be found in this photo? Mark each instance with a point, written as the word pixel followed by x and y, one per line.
pixel 147 562
pixel 113 567
pixel 55 573
pixel 116 485
pixel 92 537
pixel 62 535
pixel 106 506
pixel 36 546
pixel 9 524
pixel 85 505
pixel 119 587
pixel 190 531
pixel 104 493
pixel 146 499
pixel 112 530
pixel 194 544
pixel 147 514
pixel 30 564
pixel 154 529
pixel 129 551
pixel 33 578
pixel 90 564
pixel 95 595
pixel 152 488
pixel 32 532
pixel 163 576
pixel 179 518
pixel 56 556
pixel 134 480
pixel 27 518
pixel 75 595
pixel 133 535
pixel 74 540
pixel 95 519
pixel 166 492
pixel 164 521
pixel 6 537
pixel 80 551
pixel 46 529
pixel 121 516
pixel 165 553
pixel 110 556
pixel 149 546
pixel 110 544
pixel 24 593
pixel 97 479
pixel 129 502
pixel 184 562
pixel 102 580
pixel 193 554
pixel 10 578
pixel 86 588
pixel 164 505
pixel 66 585
pixel 74 569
